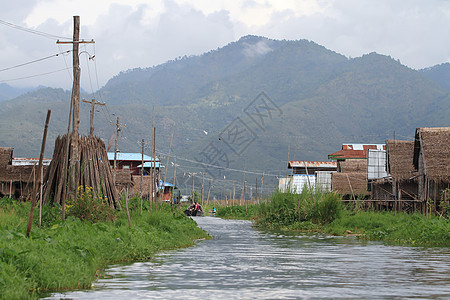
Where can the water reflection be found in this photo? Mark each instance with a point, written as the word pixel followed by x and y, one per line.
pixel 243 263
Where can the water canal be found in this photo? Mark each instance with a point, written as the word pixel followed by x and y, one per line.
pixel 243 263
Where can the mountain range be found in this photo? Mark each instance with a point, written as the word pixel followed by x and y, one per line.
pixel 246 106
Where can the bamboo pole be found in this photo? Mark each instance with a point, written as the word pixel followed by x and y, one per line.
pixel 41 157
pixel 142 172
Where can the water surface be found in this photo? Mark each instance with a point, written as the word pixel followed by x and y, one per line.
pixel 243 263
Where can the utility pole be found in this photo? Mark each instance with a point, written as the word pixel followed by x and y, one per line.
pixel 167 165
pixel 115 150
pixel 262 185
pixel 203 181
pixel 118 125
pixel 256 192
pixel 209 189
pixel 193 192
pixel 243 188
pixel 142 170
pixel 73 158
pixel 93 103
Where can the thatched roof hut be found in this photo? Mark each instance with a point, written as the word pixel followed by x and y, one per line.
pixel 349 183
pixel 5 156
pixel 124 180
pixel 352 165
pixel 18 173
pixel 433 144
pixel 400 159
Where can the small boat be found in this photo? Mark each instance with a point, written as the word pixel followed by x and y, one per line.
pixel 193 211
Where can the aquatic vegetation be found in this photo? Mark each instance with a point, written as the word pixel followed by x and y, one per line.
pixel 285 209
pixel 68 255
pixel 244 212
pixel 397 228
pixel 325 213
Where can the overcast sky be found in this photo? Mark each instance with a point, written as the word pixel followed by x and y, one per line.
pixel 144 33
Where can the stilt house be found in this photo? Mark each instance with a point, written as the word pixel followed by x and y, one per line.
pixel 432 162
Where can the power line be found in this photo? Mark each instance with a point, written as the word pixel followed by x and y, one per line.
pixel 34 61
pixel 33 31
pixel 37 75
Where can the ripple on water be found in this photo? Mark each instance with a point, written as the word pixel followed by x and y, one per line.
pixel 243 263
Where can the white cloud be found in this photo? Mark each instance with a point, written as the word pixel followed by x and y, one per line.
pixel 143 33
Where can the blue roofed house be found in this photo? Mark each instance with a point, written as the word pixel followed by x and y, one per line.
pixel 132 162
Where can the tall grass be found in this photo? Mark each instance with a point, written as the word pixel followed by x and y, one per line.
pixel 245 212
pixel 324 212
pixel 286 209
pixel 68 255
pixel 397 228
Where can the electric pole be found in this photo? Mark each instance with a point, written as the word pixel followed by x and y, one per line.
pixel 75 101
pixel 93 103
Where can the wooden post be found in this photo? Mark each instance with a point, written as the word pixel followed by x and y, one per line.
pixel 309 184
pixel 167 165
pixel 351 188
pixel 193 191
pixel 209 189
pixel 243 187
pixel 115 152
pixel 74 158
pixel 41 157
pixel 154 159
pixel 93 103
pixel 142 171
pixel 262 185
pixel 10 189
pixel 234 192
pixel 156 178
pixel 126 207
pixel 203 181
pixel 256 191
pixel 289 153
pixel 40 194
pixel 174 181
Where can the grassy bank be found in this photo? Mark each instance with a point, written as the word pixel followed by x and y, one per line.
pixel 68 255
pixel 236 212
pixel 324 212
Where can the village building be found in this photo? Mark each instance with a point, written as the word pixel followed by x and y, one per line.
pixel 399 188
pixel 132 162
pixel 17 175
pixel 351 178
pixel 432 162
pixel 168 191
pixel 311 174
pixel 128 172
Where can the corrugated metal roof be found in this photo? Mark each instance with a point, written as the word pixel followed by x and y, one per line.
pixel 355 151
pixel 129 156
pixel 345 154
pixel 166 184
pixel 149 164
pixel 312 164
pixel 21 161
pixel 363 146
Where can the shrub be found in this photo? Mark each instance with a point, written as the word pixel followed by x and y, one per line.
pixel 89 207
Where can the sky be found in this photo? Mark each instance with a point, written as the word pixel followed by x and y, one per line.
pixel 144 33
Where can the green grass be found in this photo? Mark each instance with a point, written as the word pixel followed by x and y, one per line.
pixel 285 209
pixel 68 255
pixel 236 211
pixel 299 212
pixel 396 228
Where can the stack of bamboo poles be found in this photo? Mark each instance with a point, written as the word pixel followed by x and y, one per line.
pixel 92 170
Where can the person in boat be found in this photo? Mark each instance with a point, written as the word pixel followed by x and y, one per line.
pixel 196 206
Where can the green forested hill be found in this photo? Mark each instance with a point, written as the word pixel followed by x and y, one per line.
pixel 319 100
